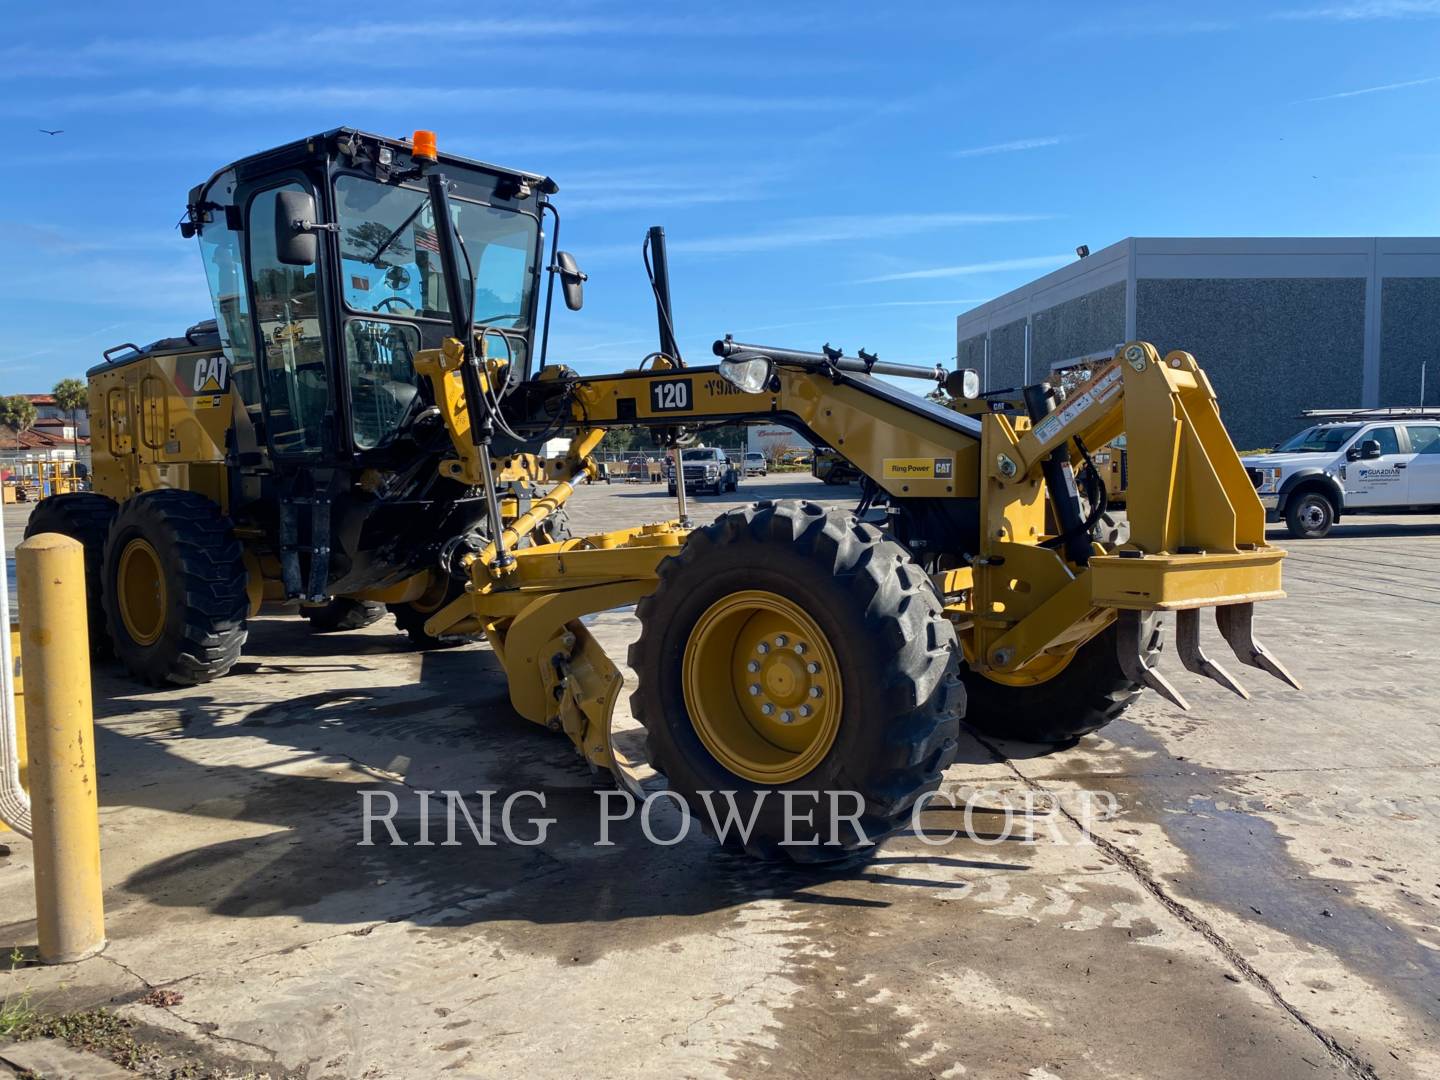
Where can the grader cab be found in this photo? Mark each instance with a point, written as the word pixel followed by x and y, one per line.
pixel 378 309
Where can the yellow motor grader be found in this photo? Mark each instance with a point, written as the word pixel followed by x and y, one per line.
pixel 378 379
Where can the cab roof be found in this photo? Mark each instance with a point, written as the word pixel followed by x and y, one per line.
pixel 349 140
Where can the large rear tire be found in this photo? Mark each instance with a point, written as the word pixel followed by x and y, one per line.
pixel 173 587
pixel 86 517
pixel 1083 696
pixel 343 613
pixel 836 630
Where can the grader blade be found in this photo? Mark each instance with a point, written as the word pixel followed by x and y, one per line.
pixel 1237 626
pixel 1129 646
pixel 1187 644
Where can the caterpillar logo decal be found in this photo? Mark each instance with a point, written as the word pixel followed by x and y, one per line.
pixel 202 376
pixel 918 468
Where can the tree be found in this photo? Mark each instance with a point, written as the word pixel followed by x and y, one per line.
pixel 18 412
pixel 70 395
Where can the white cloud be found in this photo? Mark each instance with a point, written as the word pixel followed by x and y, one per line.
pixel 1366 10
pixel 1035 262
pixel 1011 147
pixel 807 232
pixel 409 99
pixel 1381 89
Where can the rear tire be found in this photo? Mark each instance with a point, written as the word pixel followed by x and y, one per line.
pixel 343 613
pixel 1309 516
pixel 873 612
pixel 1084 696
pixel 174 588
pixel 86 517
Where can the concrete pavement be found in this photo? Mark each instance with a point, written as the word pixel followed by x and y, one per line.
pixel 1262 901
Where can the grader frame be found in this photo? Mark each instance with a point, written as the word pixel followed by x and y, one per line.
pixel 1020 606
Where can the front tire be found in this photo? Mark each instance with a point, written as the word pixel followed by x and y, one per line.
pixel 174 588
pixel 1083 696
pixel 86 517
pixel 1309 516
pixel 846 640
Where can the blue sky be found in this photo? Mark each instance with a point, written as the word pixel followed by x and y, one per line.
pixel 825 172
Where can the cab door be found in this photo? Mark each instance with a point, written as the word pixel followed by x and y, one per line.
pixel 294 375
pixel 1378 481
pixel 1423 472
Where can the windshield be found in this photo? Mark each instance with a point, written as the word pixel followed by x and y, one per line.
pixel 698 455
pixel 391 271
pixel 1318 440
pixel 391 257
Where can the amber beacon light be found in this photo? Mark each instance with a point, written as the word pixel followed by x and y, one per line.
pixel 423 145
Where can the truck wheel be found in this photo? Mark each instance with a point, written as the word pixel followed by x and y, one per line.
pixel 1083 694
pixel 174 588
pixel 1310 516
pixel 86 517
pixel 410 617
pixel 343 613
pixel 790 653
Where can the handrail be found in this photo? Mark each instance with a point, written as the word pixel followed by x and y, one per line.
pixel 14 801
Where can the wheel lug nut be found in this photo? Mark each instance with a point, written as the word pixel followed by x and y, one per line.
pixel 814 691
pixel 780 641
pixel 787 717
pixel 763 648
pixel 805 710
pixel 753 665
pixel 754 689
pixel 813 668
pixel 767 708
pixel 799 648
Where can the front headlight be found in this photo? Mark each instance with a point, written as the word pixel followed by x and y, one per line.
pixel 1270 479
pixel 712 470
pixel 749 375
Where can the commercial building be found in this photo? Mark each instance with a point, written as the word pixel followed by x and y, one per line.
pixel 1280 324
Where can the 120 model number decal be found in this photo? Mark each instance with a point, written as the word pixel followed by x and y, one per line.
pixel 671 395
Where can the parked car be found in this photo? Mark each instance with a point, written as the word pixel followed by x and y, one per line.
pixel 706 469
pixel 755 464
pixel 1371 460
pixel 832 467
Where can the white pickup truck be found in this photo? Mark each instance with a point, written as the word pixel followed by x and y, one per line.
pixel 1369 460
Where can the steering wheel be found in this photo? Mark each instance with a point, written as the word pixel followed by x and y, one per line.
pixel 383 304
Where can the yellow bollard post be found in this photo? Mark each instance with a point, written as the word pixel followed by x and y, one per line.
pixel 60 730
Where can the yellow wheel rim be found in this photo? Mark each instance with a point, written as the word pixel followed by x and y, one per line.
pixel 141 588
pixel 762 687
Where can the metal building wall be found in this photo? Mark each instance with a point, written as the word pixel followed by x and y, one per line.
pixel 1280 324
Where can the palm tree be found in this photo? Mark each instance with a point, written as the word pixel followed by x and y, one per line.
pixel 70 395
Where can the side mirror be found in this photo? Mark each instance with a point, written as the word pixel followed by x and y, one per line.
pixel 294 221
pixel 572 280
pixel 1369 449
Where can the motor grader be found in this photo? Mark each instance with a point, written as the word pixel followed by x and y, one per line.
pixel 383 365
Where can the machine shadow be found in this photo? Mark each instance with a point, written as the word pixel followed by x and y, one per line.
pixel 291 832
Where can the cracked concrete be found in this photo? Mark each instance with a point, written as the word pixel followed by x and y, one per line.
pixel 1262 901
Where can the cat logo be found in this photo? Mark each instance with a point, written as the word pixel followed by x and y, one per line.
pixel 210 375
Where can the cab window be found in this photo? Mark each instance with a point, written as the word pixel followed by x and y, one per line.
pixel 287 313
pixel 380 361
pixel 1386 437
pixel 1425 438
